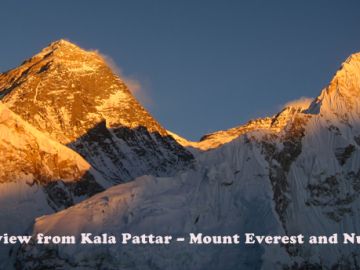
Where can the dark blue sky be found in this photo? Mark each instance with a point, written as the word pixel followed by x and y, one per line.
pixel 206 65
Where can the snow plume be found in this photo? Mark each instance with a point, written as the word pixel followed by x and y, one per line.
pixel 132 83
pixel 301 103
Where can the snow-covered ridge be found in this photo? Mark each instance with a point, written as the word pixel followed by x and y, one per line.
pixel 19 136
pixel 28 154
pixel 274 124
pixel 37 176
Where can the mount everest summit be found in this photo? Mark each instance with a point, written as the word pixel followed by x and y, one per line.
pixel 72 136
pixel 74 97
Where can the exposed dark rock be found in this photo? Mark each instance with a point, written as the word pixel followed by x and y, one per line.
pixel 343 154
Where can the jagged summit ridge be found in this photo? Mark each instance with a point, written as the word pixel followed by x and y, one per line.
pixel 273 125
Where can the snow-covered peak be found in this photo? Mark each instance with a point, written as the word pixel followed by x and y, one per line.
pixel 65 91
pixel 75 97
pixel 341 98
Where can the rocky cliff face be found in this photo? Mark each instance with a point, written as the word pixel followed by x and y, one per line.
pixel 73 96
pixel 296 172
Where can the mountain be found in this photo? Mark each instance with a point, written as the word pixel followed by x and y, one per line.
pixel 38 176
pixel 297 172
pixel 73 96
